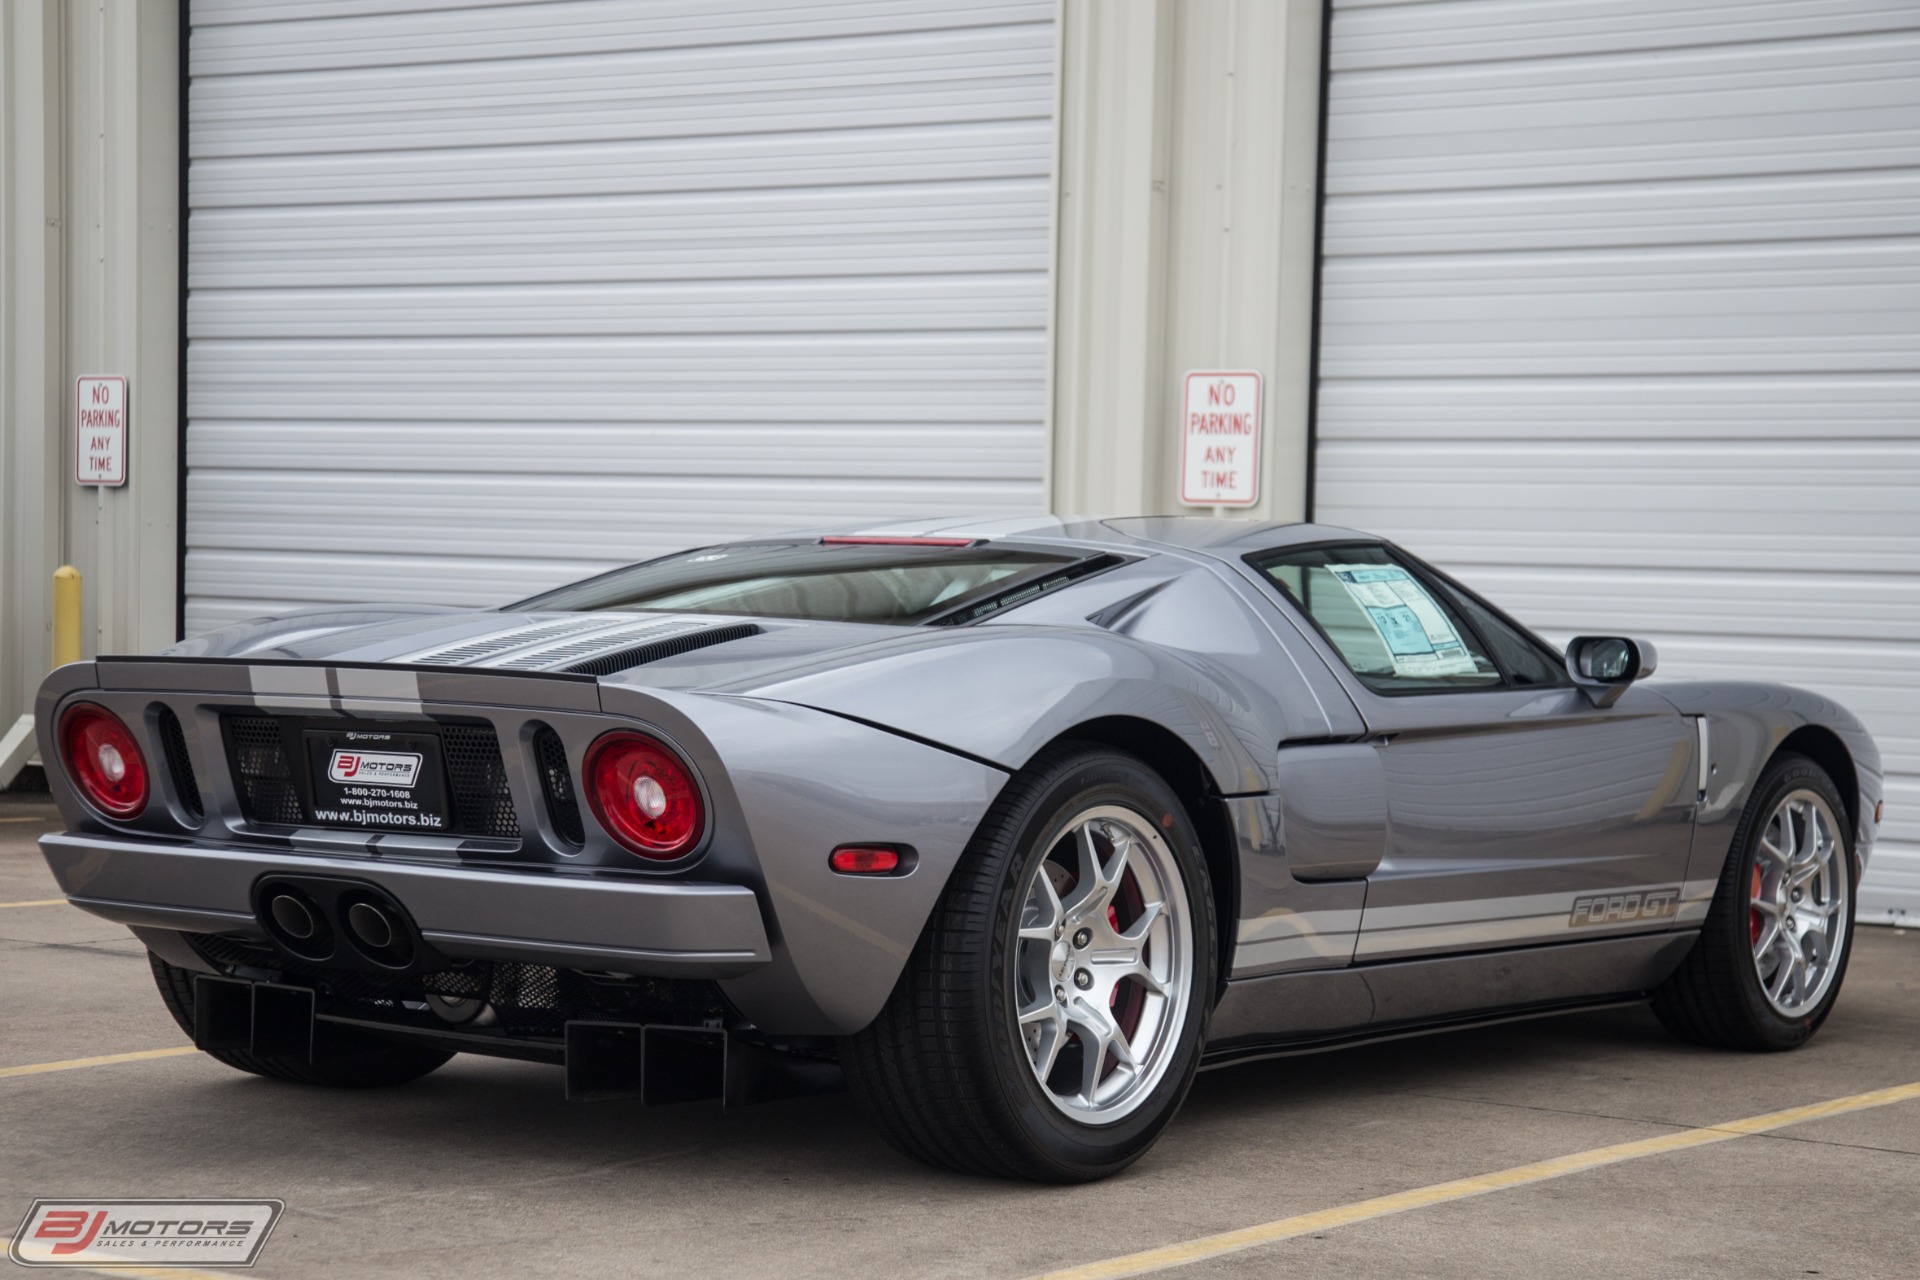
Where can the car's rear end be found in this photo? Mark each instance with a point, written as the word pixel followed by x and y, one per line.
pixel 490 848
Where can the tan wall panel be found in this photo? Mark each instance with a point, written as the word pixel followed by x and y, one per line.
pixel 89 185
pixel 1188 157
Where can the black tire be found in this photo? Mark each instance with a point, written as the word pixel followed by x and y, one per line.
pixel 1715 998
pixel 943 1072
pixel 354 1059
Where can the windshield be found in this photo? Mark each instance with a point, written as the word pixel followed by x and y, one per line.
pixel 888 583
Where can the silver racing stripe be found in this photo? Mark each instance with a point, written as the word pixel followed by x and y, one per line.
pixel 1695 897
pixel 560 645
pixel 285 687
pixel 1285 939
pixel 365 690
pixel 1545 917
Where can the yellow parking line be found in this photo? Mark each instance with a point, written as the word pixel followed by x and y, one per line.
pixel 1199 1250
pixel 159 1273
pixel 104 1060
pixel 37 902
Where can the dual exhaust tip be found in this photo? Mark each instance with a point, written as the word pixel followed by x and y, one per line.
pixel 334 921
pixel 368 924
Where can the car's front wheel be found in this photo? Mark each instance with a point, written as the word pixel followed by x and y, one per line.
pixel 1050 1020
pixel 1773 951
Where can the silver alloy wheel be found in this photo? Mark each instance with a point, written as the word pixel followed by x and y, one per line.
pixel 1103 964
pixel 1797 903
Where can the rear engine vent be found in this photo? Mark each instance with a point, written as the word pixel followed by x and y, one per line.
pixel 173 740
pixel 563 807
pixel 482 805
pixel 267 789
pixel 638 655
pixel 476 652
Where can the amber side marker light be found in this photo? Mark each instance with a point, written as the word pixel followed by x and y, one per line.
pixel 103 760
pixel 865 860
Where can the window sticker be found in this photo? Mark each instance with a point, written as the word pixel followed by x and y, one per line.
pixel 1420 638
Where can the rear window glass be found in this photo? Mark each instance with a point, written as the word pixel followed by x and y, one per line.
pixel 902 585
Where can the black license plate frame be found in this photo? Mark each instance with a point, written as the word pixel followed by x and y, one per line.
pixel 360 780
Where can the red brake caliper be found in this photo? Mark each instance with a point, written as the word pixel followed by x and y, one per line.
pixel 1113 922
pixel 1753 916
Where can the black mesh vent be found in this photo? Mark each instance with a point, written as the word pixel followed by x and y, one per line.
pixel 528 1000
pixel 260 764
pixel 482 805
pixel 477 780
pixel 619 660
pixel 536 1000
pixel 525 997
pixel 229 952
pixel 550 754
pixel 173 740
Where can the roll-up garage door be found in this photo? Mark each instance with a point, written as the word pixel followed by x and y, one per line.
pixel 1621 322
pixel 485 296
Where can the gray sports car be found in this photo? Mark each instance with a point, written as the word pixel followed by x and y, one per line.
pixel 1019 824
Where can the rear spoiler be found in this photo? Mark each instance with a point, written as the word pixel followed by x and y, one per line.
pixel 298 682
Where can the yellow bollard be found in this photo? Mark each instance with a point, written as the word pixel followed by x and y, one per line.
pixel 66 615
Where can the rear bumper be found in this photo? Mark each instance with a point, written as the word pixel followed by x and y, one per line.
pixel 671 929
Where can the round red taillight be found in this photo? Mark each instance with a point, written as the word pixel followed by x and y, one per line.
pixel 103 760
pixel 643 795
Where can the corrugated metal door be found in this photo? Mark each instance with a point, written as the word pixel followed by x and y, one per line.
pixel 484 296
pixel 1621 322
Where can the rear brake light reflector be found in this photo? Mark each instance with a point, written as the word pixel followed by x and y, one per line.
pixel 643 795
pixel 103 760
pixel 864 860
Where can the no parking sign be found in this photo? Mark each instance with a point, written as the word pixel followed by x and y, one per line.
pixel 100 430
pixel 1220 440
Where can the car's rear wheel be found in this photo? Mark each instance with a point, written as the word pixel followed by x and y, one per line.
pixel 1773 951
pixel 1049 1022
pixel 354 1059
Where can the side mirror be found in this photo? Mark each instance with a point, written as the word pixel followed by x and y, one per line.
pixel 1603 666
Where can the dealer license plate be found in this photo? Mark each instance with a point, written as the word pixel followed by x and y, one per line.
pixel 378 781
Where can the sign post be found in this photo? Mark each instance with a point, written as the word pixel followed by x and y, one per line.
pixel 100 430
pixel 1220 439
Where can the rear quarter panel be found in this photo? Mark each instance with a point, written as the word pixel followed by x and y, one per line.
pixel 788 785
pixel 1002 693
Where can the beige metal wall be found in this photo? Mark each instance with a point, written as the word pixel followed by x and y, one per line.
pixel 89 284
pixel 1188 157
pixel 1184 228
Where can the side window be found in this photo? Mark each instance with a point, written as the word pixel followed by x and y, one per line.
pixel 1527 662
pixel 1393 632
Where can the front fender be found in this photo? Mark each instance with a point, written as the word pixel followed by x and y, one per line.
pixel 1747 722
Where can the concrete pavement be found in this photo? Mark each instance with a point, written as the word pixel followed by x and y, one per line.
pixel 482 1169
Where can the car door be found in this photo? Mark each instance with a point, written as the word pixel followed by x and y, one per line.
pixel 1518 811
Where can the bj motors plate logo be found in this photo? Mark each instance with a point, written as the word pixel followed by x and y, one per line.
pixel 138 1233
pixel 382 768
